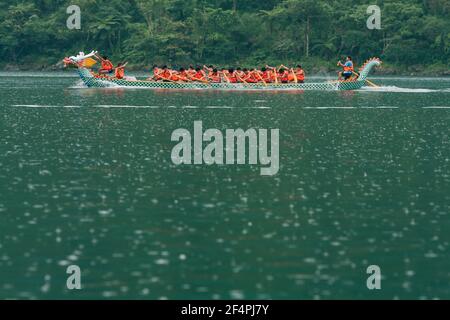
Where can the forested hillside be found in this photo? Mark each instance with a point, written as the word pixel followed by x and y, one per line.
pixel 415 34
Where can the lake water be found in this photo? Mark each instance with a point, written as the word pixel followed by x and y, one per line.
pixel 86 179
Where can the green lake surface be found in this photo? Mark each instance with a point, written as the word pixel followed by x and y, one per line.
pixel 86 179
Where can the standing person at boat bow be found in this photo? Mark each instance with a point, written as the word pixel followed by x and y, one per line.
pixel 348 69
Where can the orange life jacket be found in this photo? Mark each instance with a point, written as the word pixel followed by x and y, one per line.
pixel 107 65
pixel 240 75
pixel 273 75
pixel 191 72
pixel 156 74
pixel 284 77
pixel 252 77
pixel 300 75
pixel 166 74
pixel 182 76
pixel 199 75
pixel 119 73
pixel 175 76
pixel 214 77
pixel 291 77
pixel 267 76
pixel 349 69
pixel 232 77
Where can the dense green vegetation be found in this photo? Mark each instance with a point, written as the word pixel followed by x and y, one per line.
pixel 415 34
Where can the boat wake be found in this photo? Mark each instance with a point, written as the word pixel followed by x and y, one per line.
pixel 397 89
pixel 79 85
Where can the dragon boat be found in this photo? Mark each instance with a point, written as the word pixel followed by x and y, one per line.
pixel 94 80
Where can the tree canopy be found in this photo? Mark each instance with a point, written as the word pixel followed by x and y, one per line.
pixel 226 32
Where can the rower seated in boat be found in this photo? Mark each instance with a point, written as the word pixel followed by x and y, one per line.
pixel 273 74
pixel 166 74
pixel 191 72
pixel 119 72
pixel 231 75
pixel 180 76
pixel 266 75
pixel 199 75
pixel 251 76
pixel 156 74
pixel 300 73
pixel 214 76
pixel 107 66
pixel 283 75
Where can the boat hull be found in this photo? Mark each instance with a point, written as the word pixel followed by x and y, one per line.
pixel 92 81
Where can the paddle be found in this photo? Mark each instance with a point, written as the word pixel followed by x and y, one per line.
pixel 242 80
pixel 200 80
pixel 292 71
pixel 225 76
pixel 295 76
pixel 261 78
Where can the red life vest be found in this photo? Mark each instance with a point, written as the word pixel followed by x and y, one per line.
pixel 119 73
pixel 300 75
pixel 157 74
pixel 240 75
pixel 182 76
pixel 349 69
pixel 191 72
pixel 199 75
pixel 166 74
pixel 252 77
pixel 284 77
pixel 107 65
pixel 232 77
pixel 214 77
pixel 175 76
pixel 267 76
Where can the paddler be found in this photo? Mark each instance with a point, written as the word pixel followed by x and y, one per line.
pixel 240 74
pixel 283 75
pixel 300 73
pixel 258 75
pixel 231 75
pixel 266 75
pixel 199 75
pixel 348 69
pixel 182 75
pixel 107 66
pixel 208 69
pixel 224 73
pixel 273 74
pixel 251 76
pixel 156 73
pixel 292 76
pixel 214 76
pixel 119 72
pixel 191 71
pixel 166 74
